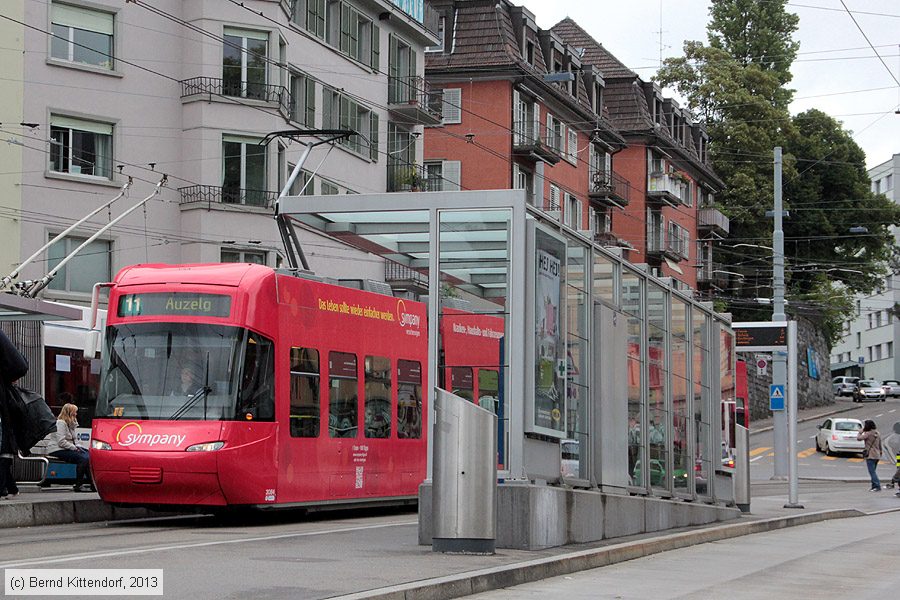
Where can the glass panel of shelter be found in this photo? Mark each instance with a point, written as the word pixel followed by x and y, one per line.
pixel 474 259
pixel 578 282
pixel 632 305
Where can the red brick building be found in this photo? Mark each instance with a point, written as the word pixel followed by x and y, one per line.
pixel 554 113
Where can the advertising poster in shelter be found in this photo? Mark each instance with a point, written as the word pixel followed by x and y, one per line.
pixel 549 343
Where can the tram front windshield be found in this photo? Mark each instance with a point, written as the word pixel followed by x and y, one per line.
pixel 186 371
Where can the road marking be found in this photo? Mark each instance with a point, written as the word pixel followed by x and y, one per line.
pixel 855 459
pixel 755 459
pixel 756 451
pixel 881 415
pixel 829 458
pixel 770 454
pixel 812 437
pixel 88 555
pixel 892 410
pixel 806 453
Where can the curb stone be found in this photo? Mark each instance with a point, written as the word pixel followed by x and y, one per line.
pixel 473 582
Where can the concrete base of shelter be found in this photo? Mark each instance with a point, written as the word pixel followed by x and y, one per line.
pixel 533 517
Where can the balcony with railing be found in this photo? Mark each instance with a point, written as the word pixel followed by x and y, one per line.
pixel 712 274
pixel 668 189
pixel 537 142
pixel 402 277
pixel 247 90
pixel 412 99
pixel 609 188
pixel 666 245
pixel 409 177
pixel 215 194
pixel 711 220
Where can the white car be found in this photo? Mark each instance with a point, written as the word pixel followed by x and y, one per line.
pixel 569 454
pixel 891 387
pixel 839 435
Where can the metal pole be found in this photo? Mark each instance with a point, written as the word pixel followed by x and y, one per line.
pixel 779 368
pixel 792 413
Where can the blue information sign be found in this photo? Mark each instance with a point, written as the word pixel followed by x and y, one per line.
pixel 776 397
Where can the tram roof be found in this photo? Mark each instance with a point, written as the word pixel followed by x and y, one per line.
pixel 227 274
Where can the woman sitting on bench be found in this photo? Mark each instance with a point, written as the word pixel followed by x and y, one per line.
pixel 62 446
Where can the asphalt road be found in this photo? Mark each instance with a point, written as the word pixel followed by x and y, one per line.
pixel 848 558
pixel 815 464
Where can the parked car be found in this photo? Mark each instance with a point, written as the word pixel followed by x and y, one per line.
pixel 844 385
pixel 868 389
pixel 569 458
pixel 891 387
pixel 839 435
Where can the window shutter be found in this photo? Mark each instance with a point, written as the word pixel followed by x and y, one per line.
pixel 345 28
pixel 554 197
pixel 375 58
pixel 373 136
pixel 310 91
pixel 536 134
pixel 573 145
pixel 299 13
pixel 452 105
pixel 451 172
pixel 81 125
pixel 82 18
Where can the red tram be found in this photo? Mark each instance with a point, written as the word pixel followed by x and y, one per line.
pixel 234 384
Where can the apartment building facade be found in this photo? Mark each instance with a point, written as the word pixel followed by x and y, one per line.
pixel 867 347
pixel 107 91
pixel 553 112
pixel 671 222
pixel 520 111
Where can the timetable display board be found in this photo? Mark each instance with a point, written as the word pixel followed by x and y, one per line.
pixel 185 304
pixel 760 336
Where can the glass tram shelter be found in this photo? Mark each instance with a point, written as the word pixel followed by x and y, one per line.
pixel 607 382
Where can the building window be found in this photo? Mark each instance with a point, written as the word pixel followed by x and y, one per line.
pixel 889 182
pixel 329 188
pixel 233 255
pixel 439 47
pixel 889 350
pixel 303 99
pixel 303 184
pixel 523 179
pixel 526 121
pixel 342 112
pixel 442 176
pixel 81 35
pixel 403 83
pixel 310 15
pixel 573 212
pixel 244 171
pixel 244 63
pixel 80 147
pixel 91 265
pixel 556 133
pixel 451 106
pixel 359 37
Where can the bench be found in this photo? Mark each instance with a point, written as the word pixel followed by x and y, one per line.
pixel 42 470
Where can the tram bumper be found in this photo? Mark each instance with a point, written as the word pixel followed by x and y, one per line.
pixel 157 478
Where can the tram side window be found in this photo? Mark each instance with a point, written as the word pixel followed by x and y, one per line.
pixel 257 394
pixel 409 399
pixel 342 395
pixel 461 383
pixel 378 397
pixel 488 389
pixel 304 392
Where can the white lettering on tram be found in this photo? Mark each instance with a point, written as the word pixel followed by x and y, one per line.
pixel 154 439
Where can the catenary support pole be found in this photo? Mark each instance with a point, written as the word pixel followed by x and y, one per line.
pixel 793 501
pixel 779 368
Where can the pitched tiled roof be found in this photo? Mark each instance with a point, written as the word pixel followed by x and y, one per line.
pixel 482 37
pixel 627 106
pixel 594 52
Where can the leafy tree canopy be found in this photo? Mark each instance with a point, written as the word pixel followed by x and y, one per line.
pixel 736 86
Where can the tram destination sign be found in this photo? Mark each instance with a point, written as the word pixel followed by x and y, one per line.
pixel 760 336
pixel 187 304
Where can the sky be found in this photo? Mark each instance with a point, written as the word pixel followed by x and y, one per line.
pixel 836 70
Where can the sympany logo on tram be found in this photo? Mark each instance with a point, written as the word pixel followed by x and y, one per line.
pixel 132 433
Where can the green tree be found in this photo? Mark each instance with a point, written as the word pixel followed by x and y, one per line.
pixel 736 85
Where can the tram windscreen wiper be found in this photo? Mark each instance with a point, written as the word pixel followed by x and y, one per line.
pixel 189 403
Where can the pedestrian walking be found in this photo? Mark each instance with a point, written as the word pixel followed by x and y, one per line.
pixel 872 451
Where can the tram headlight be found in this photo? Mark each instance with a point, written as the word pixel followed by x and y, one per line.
pixel 205 447
pixel 100 445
